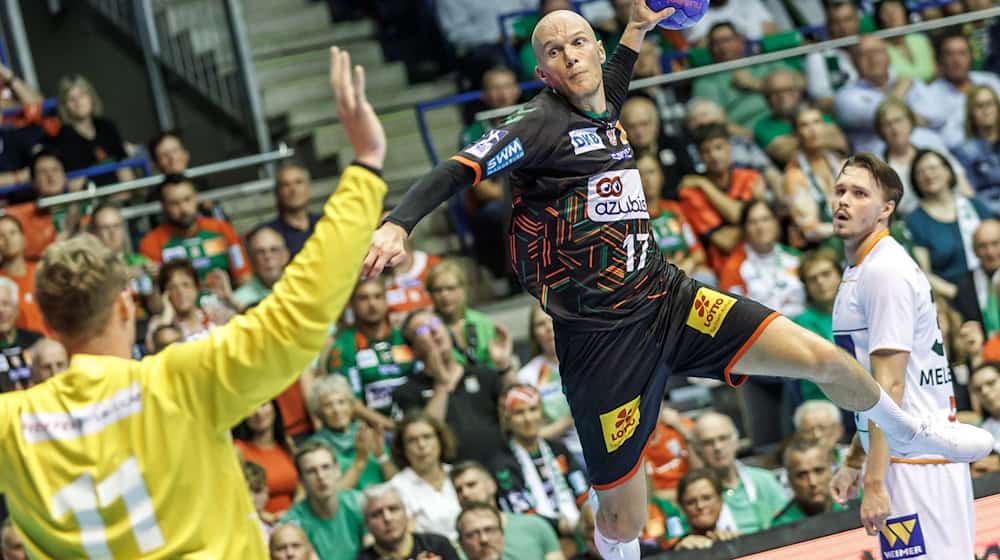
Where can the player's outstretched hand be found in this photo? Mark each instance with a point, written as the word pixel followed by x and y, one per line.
pixel 844 484
pixel 645 18
pixel 356 114
pixel 875 508
pixel 388 249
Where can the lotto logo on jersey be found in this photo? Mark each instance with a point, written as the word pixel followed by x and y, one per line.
pixel 902 538
pixel 508 155
pixel 585 140
pixel 619 424
pixel 616 195
pixel 709 311
pixel 486 143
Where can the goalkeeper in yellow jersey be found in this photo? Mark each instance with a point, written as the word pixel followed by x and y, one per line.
pixel 123 459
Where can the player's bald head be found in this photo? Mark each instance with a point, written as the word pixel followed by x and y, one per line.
pixel 559 21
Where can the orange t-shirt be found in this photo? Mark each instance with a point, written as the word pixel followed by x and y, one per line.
pixel 29 315
pixel 293 410
pixel 37 225
pixel 282 480
pixel 991 350
pixel 666 457
pixel 406 293
pixel 705 219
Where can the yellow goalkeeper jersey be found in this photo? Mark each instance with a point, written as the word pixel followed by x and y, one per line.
pixel 132 459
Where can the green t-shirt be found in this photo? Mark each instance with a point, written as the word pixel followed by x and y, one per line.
pixel 344 451
pixel 677 525
pixel 753 516
pixel 142 284
pixel 673 235
pixel 252 292
pixel 743 108
pixel 479 332
pixel 770 127
pixel 334 539
pixel 792 513
pixel 528 536
pixel 373 367
pixel 820 323
pixel 471 133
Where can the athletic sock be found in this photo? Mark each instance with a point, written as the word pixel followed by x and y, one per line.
pixel 897 424
pixel 610 548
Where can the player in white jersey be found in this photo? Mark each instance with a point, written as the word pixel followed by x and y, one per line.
pixel 885 316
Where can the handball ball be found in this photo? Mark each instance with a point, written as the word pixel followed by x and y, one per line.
pixel 686 12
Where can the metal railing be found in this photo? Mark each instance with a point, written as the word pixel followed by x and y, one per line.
pixel 283 152
pixel 141 162
pixel 202 42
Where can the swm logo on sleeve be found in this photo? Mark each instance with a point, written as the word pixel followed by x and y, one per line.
pixel 709 311
pixel 508 155
pixel 486 143
pixel 619 424
pixel 616 195
pixel 585 140
pixel 902 538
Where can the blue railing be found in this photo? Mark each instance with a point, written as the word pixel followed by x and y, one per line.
pixel 141 162
pixel 47 105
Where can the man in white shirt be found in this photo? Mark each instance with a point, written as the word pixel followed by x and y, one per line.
pixel 885 316
pixel 954 57
pixel 855 103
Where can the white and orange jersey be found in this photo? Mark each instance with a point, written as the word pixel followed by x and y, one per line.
pixel 124 459
pixel 885 303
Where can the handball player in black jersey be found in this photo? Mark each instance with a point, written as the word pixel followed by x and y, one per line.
pixel 625 319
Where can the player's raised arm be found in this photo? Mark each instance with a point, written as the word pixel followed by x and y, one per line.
pixel 255 356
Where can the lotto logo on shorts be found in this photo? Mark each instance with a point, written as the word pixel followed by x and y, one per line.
pixel 709 311
pixel 620 424
pixel 902 538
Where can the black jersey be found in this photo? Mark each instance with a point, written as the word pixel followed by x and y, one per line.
pixel 580 239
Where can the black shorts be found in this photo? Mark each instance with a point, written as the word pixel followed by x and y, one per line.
pixel 615 380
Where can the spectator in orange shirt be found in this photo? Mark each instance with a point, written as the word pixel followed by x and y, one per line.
pixel 13 265
pixel 668 456
pixel 405 290
pixel 713 203
pixel 48 178
pixel 209 243
pixel 261 438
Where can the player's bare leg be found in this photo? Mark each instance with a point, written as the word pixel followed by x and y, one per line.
pixel 785 349
pixel 622 511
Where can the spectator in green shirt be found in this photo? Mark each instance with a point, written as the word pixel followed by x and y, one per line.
pixel 809 472
pixel 330 518
pixel 500 89
pixel 372 355
pixel 700 493
pixel 358 447
pixel 268 257
pixel 751 494
pixel 775 133
pixel 820 271
pixel 472 333
pixel 819 422
pixel 289 542
pixel 526 536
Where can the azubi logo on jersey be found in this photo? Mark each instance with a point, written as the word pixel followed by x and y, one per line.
pixel 709 310
pixel 615 196
pixel 619 424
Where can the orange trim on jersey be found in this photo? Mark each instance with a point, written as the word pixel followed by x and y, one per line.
pixel 624 478
pixel 469 163
pixel 863 252
pixel 919 461
pixel 743 350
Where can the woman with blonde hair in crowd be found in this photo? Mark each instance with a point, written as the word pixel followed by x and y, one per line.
pixel 978 153
pixel 86 137
pixel 358 447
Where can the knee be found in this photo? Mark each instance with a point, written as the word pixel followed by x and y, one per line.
pixel 621 521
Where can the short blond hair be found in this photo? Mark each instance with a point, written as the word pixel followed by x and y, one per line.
pixel 444 268
pixel 66 84
pixel 76 284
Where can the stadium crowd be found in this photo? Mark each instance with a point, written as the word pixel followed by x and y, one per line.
pixel 422 430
